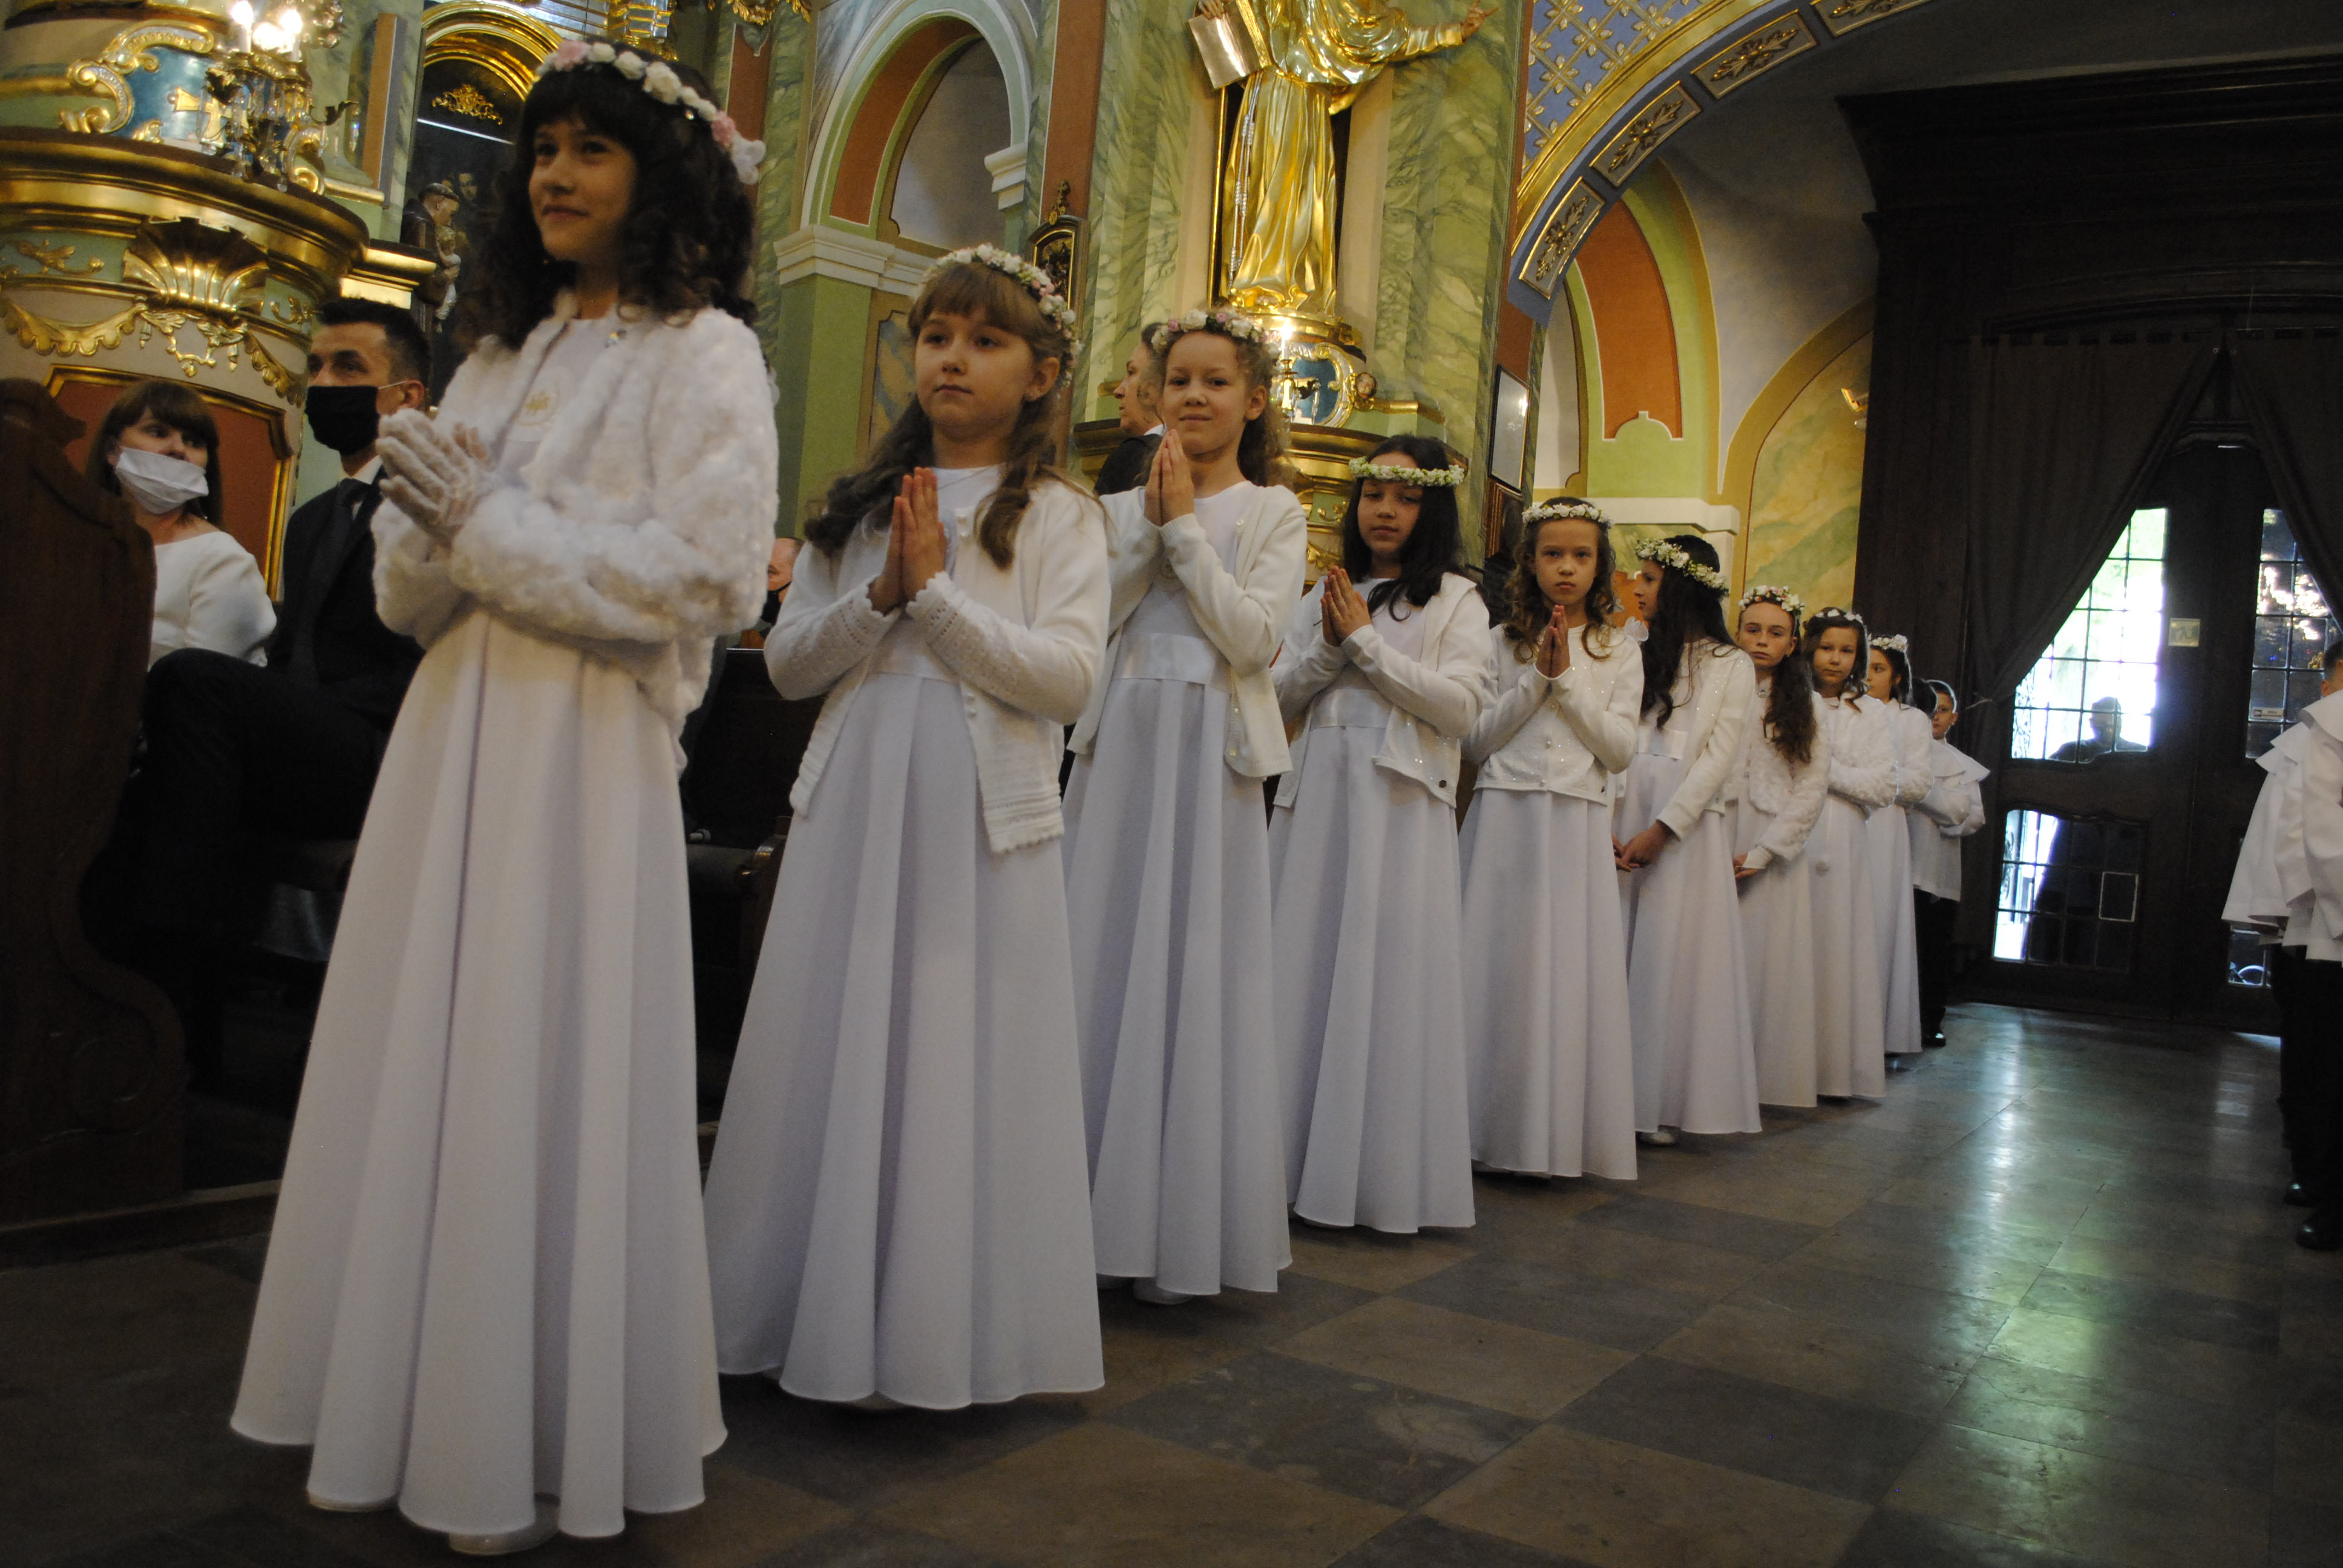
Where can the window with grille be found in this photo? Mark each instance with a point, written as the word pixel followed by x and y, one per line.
pixel 2292 630
pixel 2094 688
pixel 2069 891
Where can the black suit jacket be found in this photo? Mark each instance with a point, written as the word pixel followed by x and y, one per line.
pixel 362 664
pixel 1125 467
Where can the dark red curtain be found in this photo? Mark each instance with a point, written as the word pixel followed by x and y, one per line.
pixel 2292 387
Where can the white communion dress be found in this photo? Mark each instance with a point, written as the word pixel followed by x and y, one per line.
pixel 1362 847
pixel 1850 1057
pixel 208 594
pixel 1897 924
pixel 1777 803
pixel 1548 1044
pixel 898 1201
pixel 487 1282
pixel 1167 885
pixel 1687 978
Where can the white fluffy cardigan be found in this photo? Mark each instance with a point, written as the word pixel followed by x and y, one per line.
pixel 1769 782
pixel 639 530
pixel 1026 641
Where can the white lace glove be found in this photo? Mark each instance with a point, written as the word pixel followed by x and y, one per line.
pixel 433 477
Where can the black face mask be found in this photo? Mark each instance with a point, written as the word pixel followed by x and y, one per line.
pixel 343 418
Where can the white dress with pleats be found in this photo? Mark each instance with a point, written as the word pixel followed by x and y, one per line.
pixel 1889 830
pixel 1849 1045
pixel 1168 889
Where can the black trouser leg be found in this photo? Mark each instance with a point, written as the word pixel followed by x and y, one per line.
pixel 2287 983
pixel 1933 918
pixel 2317 1086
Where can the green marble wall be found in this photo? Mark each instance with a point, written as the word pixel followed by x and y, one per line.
pixel 1808 486
pixel 1148 83
pixel 780 188
pixel 1455 119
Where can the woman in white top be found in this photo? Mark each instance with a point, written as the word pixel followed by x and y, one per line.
pixel 1167 846
pixel 1953 809
pixel 1687 977
pixel 899 1207
pixel 158 446
pixel 1887 681
pixel 1385 685
pixel 1849 1052
pixel 487 1291
pixel 1546 958
pixel 1778 791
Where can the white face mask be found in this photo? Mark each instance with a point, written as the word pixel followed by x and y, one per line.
pixel 159 484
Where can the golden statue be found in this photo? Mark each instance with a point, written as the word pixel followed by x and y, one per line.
pixel 1307 61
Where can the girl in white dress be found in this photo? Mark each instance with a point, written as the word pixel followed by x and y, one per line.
pixel 1953 809
pixel 1552 1071
pixel 158 448
pixel 1850 1049
pixel 1384 686
pixel 1687 980
pixel 899 1207
pixel 1887 681
pixel 1778 789
pixel 1167 846
pixel 487 1286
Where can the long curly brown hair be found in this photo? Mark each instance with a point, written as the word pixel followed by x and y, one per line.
pixel 689 235
pixel 1790 704
pixel 864 495
pixel 1527 613
pixel 1260 450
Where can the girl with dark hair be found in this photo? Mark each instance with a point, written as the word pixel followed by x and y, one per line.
pixel 1546 1033
pixel 1849 1044
pixel 1888 678
pixel 1167 849
pixel 158 448
pixel 1687 984
pixel 899 1207
pixel 1952 809
pixel 487 1294
pixel 1384 685
pixel 1778 789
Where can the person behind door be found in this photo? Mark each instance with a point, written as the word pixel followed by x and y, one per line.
pixel 1167 848
pixel 1687 975
pixel 1385 685
pixel 158 448
pixel 1546 1035
pixel 487 1292
pixel 1953 809
pixel 898 1208
pixel 1778 790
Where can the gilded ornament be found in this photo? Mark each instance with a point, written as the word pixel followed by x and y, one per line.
pixel 464 98
pixel 1758 53
pixel 1572 219
pixel 760 12
pixel 1845 16
pixel 57 258
pixel 1660 119
pixel 129 50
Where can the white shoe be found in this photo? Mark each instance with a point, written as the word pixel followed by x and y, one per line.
pixel 504 1544
pixel 1155 1295
pixel 331 1506
pixel 1665 1138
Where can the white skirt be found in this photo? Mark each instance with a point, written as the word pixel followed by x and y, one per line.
pixel 1550 1053
pixel 1849 1056
pixel 898 1204
pixel 1895 927
pixel 1370 994
pixel 1688 985
pixel 1167 885
pixel 487 1279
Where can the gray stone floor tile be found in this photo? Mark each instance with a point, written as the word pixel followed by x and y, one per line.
pixel 1537 1294
pixel 1705 1227
pixel 2184 1315
pixel 860 1458
pixel 1417 1541
pixel 1898 1540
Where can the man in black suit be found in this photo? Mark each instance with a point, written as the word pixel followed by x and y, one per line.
pixel 1126 467
pixel 290 749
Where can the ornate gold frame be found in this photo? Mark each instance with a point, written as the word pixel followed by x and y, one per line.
pixel 503 42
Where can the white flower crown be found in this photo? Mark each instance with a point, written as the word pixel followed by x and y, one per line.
pixel 1553 511
pixel 1435 477
pixel 1219 318
pixel 1674 558
pixel 1766 593
pixel 1837 613
pixel 659 79
pixel 1031 278
pixel 1894 642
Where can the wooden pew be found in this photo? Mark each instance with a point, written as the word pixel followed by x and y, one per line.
pixel 92 1092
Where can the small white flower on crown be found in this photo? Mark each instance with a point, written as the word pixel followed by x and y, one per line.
pixel 1035 282
pixel 659 80
pixel 1437 479
pixel 1218 319
pixel 1555 511
pixel 1894 642
pixel 1674 558
pixel 1768 593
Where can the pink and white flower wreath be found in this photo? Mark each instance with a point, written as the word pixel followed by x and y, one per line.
pixel 659 79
